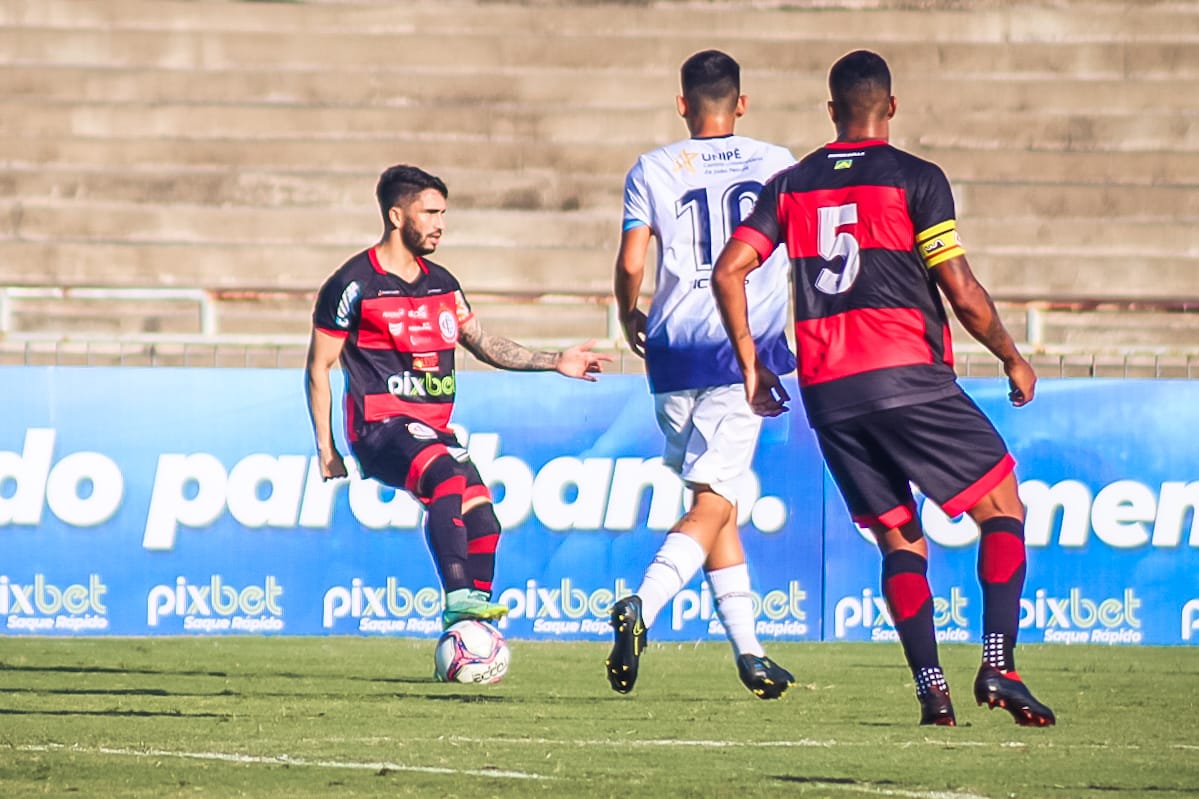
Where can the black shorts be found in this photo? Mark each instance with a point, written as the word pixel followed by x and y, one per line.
pixel 947 448
pixel 397 451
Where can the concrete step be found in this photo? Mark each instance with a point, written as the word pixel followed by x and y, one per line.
pixel 624 88
pixel 1041 129
pixel 314 172
pixel 923 21
pixel 530 189
pixel 1046 271
pixel 1060 226
pixel 109 317
pixel 791 49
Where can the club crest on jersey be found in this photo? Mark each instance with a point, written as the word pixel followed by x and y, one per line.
pixel 347 303
pixel 447 323
pixel 421 432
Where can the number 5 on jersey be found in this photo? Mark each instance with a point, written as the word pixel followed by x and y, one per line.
pixel 832 244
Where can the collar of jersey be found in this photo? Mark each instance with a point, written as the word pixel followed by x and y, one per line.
pixel 854 145
pixel 378 267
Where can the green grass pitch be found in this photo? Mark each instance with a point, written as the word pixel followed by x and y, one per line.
pixel 299 717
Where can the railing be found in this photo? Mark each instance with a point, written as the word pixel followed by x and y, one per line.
pixel 210 345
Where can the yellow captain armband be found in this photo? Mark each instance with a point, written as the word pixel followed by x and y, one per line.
pixel 939 243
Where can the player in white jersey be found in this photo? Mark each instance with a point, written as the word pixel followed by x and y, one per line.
pixel 690 196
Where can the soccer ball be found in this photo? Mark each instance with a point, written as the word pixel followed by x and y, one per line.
pixel 471 651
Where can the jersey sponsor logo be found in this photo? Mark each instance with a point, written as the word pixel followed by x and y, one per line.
pixel 426 362
pixel 421 432
pixel 419 312
pixel 347 304
pixel 420 386
pixel 447 323
pixel 395 328
pixel 685 161
pixel 854 154
pixel 724 155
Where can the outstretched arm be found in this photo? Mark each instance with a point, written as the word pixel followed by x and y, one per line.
pixel 630 272
pixel 763 388
pixel 577 361
pixel 974 309
pixel 323 352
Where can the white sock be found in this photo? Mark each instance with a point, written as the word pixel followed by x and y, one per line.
pixel 676 562
pixel 735 607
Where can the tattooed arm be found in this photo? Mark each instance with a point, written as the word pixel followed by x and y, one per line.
pixel 976 311
pixel 577 361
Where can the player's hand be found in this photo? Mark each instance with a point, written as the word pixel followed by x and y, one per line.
pixel 765 392
pixel 1022 380
pixel 579 361
pixel 634 331
pixel 332 466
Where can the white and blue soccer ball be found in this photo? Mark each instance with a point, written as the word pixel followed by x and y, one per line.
pixel 471 651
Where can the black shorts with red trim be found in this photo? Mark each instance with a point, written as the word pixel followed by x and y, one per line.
pixel 397 451
pixel 948 448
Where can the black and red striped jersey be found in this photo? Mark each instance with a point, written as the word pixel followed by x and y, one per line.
pixel 863 223
pixel 398 358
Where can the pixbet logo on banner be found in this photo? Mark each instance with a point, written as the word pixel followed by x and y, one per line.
pixel 41 606
pixel 216 606
pixel 869 611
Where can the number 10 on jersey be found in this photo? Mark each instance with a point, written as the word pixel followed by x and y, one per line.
pixel 696 209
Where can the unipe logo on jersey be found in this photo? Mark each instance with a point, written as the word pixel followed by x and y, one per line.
pixel 347 303
pixel 447 323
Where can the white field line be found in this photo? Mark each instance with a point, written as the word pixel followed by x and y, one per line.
pixel 283 760
pixel 799 743
pixel 878 790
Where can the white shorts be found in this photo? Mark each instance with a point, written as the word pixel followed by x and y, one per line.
pixel 711 434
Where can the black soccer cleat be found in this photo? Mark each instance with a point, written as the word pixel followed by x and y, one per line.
pixel 628 630
pixel 995 688
pixel 936 709
pixel 763 677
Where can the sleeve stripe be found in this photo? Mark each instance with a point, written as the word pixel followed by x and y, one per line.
pixel 761 244
pixel 629 224
pixel 942 256
pixel 936 230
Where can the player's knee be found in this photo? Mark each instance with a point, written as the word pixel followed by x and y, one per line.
pixel 441 475
pixel 481 520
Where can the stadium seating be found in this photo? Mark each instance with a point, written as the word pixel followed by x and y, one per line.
pixel 209 162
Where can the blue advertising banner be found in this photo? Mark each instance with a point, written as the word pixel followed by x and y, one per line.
pixel 160 501
pixel 166 502
pixel 1111 482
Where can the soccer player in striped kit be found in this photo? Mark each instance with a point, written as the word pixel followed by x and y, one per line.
pixel 393 318
pixel 873 242
pixel 690 196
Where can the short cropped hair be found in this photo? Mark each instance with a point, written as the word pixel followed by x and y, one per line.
pixel 859 82
pixel 711 76
pixel 399 184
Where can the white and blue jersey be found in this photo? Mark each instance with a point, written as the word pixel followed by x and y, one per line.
pixel 692 195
